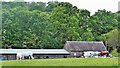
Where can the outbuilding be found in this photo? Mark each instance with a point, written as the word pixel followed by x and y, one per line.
pixel 11 54
pixel 77 48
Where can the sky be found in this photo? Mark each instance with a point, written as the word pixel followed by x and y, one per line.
pixel 91 5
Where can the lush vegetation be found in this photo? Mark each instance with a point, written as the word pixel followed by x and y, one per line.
pixel 50 25
pixel 64 62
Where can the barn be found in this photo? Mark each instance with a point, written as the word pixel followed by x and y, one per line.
pixel 11 54
pixel 77 48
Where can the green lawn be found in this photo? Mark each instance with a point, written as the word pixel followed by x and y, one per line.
pixel 63 62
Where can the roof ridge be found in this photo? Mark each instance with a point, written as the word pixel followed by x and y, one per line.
pixel 83 41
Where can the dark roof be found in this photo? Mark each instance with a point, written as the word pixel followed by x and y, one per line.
pixel 84 46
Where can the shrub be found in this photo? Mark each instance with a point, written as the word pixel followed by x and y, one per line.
pixel 114 52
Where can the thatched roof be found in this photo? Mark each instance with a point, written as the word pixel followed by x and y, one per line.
pixel 84 46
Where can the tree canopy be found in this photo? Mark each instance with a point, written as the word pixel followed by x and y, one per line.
pixel 50 25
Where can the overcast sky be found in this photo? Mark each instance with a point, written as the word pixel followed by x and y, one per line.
pixel 91 5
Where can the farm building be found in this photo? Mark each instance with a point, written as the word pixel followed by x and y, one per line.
pixel 77 48
pixel 70 49
pixel 11 54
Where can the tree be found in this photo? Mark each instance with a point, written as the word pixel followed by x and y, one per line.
pixel 51 5
pixel 102 22
pixel 41 6
pixel 111 39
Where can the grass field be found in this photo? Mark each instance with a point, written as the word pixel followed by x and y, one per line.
pixel 63 62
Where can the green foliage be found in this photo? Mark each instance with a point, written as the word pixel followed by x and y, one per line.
pixel 41 25
pixel 114 53
pixel 51 6
pixel 37 6
pixel 111 39
pixel 102 22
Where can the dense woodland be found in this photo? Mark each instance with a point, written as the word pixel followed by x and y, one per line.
pixel 50 25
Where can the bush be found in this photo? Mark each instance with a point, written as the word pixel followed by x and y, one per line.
pixel 114 52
